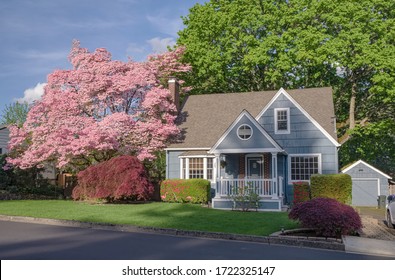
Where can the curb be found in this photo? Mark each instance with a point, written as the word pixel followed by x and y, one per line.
pixel 274 239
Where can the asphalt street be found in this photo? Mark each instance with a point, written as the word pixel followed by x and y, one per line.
pixel 48 242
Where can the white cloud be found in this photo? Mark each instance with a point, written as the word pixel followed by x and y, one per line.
pixel 159 45
pixel 32 94
pixel 166 25
pixel 134 50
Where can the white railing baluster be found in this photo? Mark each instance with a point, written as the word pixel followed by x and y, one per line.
pixel 263 187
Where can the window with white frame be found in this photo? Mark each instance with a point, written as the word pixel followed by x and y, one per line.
pixel 197 167
pixel 282 120
pixel 244 132
pixel 303 166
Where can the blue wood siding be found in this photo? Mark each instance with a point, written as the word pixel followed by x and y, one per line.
pixel 173 164
pixel 304 136
pixel 4 138
pixel 257 140
pixel 263 205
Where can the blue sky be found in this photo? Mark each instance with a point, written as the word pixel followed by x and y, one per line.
pixel 36 36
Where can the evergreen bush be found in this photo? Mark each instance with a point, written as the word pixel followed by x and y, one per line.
pixel 185 190
pixel 337 186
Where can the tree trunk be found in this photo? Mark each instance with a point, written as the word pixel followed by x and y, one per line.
pixel 352 106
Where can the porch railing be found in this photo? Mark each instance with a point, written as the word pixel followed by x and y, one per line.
pixel 262 187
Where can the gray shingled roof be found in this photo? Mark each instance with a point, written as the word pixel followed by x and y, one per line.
pixel 204 118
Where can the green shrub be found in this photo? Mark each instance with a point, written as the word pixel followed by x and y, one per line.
pixel 22 182
pixel 185 190
pixel 244 198
pixel 337 186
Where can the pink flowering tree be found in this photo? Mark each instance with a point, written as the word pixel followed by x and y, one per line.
pixel 99 109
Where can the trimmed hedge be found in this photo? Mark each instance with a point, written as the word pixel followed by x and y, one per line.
pixel 337 186
pixel 185 190
pixel 327 216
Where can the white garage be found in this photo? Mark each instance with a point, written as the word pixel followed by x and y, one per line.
pixel 367 183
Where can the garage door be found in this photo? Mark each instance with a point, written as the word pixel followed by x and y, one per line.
pixel 364 192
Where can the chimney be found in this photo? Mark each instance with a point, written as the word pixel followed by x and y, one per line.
pixel 174 88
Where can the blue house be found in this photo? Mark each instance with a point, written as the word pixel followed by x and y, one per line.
pixel 265 140
pixel 4 138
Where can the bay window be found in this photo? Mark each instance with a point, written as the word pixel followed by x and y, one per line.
pixel 197 167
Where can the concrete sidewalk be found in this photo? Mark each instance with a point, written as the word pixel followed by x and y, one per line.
pixel 364 245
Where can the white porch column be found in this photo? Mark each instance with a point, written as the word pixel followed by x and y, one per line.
pixel 217 173
pixel 274 174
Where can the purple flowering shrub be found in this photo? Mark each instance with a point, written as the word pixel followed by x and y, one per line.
pixel 327 216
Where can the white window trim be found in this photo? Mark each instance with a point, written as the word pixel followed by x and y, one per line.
pixel 237 132
pixel 276 131
pixel 186 158
pixel 303 155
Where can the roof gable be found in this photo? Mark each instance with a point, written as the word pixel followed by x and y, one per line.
pixel 259 139
pixel 282 92
pixel 205 118
pixel 353 165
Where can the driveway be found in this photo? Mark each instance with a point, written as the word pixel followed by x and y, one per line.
pixel 374 226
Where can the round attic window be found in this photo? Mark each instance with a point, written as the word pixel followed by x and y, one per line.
pixel 244 132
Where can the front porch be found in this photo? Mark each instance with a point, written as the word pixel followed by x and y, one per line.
pixel 268 195
pixel 243 174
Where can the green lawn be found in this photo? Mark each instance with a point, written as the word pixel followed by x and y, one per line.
pixel 156 214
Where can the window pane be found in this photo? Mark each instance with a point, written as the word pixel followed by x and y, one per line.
pixel 209 168
pixel 184 174
pixel 282 120
pixel 196 168
pixel 303 167
pixel 244 132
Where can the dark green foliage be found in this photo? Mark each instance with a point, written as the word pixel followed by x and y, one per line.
pixel 336 186
pixel 6 176
pixel 250 45
pixel 185 190
pixel 19 183
pixel 327 216
pixel 156 170
pixel 373 143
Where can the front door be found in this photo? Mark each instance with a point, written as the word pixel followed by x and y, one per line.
pixel 255 167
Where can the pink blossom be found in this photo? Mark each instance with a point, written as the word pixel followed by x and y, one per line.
pixel 99 109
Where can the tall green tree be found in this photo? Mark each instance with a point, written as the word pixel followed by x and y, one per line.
pixel 244 45
pixel 14 114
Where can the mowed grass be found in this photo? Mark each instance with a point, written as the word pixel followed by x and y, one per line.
pixel 155 214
